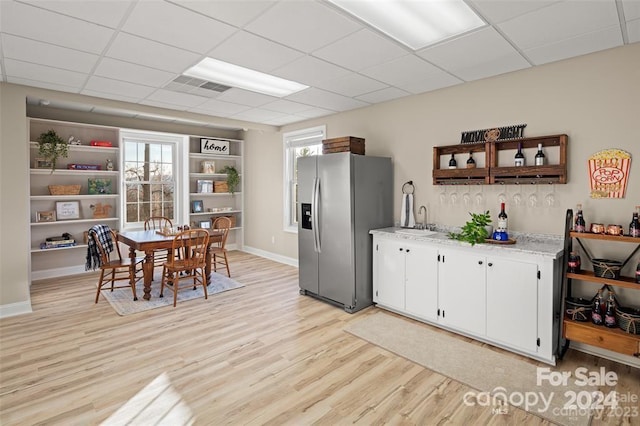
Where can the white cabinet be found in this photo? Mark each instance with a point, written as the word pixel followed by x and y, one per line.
pixel 462 291
pixel 508 299
pixel 512 303
pixel 406 277
pixel 96 199
pixel 209 195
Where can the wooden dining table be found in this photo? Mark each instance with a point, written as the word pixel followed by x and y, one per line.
pixel 150 240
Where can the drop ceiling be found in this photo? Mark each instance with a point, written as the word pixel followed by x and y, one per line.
pixel 133 51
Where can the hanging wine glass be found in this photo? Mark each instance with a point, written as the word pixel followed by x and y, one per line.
pixel 454 197
pixel 466 196
pixel 502 196
pixel 533 197
pixel 550 198
pixel 443 195
pixel 479 196
pixel 517 197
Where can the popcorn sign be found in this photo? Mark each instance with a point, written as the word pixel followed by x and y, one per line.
pixel 609 173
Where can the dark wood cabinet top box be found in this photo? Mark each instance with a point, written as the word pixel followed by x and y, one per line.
pixel 343 144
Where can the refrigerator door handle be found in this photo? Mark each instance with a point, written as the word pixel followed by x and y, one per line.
pixel 316 209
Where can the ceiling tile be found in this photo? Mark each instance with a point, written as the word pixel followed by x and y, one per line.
pixel 560 21
pixel 114 96
pixel 151 54
pixel 105 13
pixel 303 25
pixel 46 54
pixel 42 84
pixel 309 70
pixel 476 55
pixel 245 97
pixel 315 112
pixel 235 12
pixel 285 106
pixel 126 71
pixel 495 11
pixel 175 98
pixel 352 85
pixel 326 100
pixel 633 30
pixel 383 95
pixel 176 26
pixel 221 108
pixel 401 71
pixel 38 24
pixel 44 73
pixel 436 81
pixel 287 119
pixel 576 46
pixel 360 50
pixel 258 114
pixel 122 88
pixel 265 55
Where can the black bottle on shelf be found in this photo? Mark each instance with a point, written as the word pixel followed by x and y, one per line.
pixel 471 163
pixel 580 224
pixel 610 313
pixel 634 226
pixel 638 273
pixel 519 160
pixel 596 310
pixel 452 162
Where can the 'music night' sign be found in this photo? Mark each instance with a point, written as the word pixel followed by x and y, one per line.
pixel 214 146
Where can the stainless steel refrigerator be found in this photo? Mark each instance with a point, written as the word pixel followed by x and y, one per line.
pixel 341 196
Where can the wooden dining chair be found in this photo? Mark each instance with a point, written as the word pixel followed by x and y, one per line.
pixel 218 247
pixel 191 246
pixel 158 223
pixel 117 269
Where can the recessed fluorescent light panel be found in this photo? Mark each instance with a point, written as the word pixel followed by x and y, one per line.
pixel 416 24
pixel 235 76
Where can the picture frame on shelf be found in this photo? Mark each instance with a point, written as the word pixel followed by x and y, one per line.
pixel 204 186
pixel 197 206
pixel 205 224
pixel 98 186
pixel 46 216
pixel 67 210
pixel 41 163
pixel 208 167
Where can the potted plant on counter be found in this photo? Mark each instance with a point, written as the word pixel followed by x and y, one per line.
pixel 475 230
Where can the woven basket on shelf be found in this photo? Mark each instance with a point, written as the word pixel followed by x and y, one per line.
pixel 605 268
pixel 628 319
pixel 64 189
pixel 578 309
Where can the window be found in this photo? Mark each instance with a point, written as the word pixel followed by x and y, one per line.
pixel 300 143
pixel 149 174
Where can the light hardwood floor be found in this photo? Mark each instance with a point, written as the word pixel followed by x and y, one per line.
pixel 261 354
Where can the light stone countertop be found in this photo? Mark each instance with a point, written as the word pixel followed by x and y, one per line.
pixel 534 244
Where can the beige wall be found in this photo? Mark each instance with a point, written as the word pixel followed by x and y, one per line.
pixel 593 99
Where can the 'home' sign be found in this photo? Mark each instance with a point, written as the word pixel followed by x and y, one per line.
pixel 214 146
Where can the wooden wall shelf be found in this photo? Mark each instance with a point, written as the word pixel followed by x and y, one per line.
pixel 492 173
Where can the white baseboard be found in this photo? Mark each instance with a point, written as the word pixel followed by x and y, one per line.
pixel 13 309
pixel 271 256
pixel 58 272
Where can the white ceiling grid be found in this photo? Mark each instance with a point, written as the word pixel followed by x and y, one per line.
pixel 131 50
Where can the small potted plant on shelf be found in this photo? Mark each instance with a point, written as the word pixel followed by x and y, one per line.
pixel 475 230
pixel 51 147
pixel 233 179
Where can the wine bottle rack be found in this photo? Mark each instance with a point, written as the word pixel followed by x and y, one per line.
pixel 492 173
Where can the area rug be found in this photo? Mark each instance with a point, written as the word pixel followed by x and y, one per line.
pixel 498 377
pixel 122 301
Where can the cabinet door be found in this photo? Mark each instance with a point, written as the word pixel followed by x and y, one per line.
pixel 421 281
pixel 512 303
pixel 462 292
pixel 390 259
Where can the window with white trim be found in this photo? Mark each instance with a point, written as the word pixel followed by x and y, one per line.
pixel 300 143
pixel 150 171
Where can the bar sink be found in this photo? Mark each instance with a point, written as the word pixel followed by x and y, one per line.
pixel 412 231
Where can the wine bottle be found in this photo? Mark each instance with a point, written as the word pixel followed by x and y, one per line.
pixel 452 162
pixel 596 309
pixel 471 163
pixel 519 158
pixel 610 313
pixel 638 273
pixel 580 225
pixel 502 219
pixel 540 156
pixel 634 226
